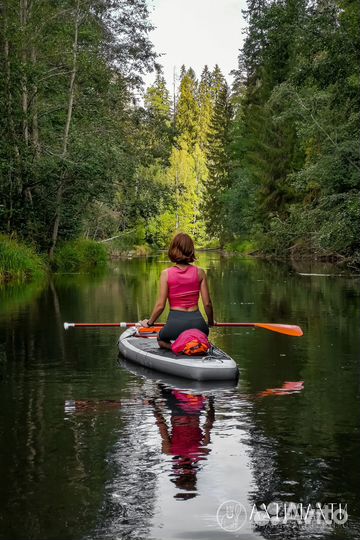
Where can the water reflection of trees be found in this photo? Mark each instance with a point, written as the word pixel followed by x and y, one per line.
pixel 53 469
pixel 304 447
pixel 68 476
pixel 129 495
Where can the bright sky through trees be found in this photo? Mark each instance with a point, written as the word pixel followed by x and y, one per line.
pixel 195 33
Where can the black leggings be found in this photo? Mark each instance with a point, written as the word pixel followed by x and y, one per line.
pixel 178 321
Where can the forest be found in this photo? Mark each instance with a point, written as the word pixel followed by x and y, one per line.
pixel 267 165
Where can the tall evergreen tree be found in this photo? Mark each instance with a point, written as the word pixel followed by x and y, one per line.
pixel 187 117
pixel 217 82
pixel 206 106
pixel 159 132
pixel 182 178
pixel 218 162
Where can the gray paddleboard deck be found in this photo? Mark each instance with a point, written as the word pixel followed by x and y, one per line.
pixel 214 366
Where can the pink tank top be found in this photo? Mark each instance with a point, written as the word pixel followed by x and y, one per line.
pixel 183 287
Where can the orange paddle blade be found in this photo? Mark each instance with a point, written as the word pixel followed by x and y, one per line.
pixel 288 329
pixel 149 329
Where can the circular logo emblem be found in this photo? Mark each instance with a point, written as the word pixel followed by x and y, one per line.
pixel 231 515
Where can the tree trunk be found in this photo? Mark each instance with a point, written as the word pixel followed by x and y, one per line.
pixel 35 125
pixel 13 170
pixel 25 97
pixel 60 189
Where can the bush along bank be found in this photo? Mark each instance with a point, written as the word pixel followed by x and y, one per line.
pixel 243 247
pixel 278 246
pixel 80 256
pixel 19 262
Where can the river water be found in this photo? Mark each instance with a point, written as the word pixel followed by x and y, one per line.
pixel 93 449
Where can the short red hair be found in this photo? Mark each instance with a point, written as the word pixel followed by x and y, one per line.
pixel 182 249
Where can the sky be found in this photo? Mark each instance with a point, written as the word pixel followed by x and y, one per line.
pixel 195 33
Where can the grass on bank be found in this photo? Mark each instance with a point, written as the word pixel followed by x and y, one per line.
pixel 245 247
pixel 80 256
pixel 19 262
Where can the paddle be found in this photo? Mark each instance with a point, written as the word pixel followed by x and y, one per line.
pixel 287 329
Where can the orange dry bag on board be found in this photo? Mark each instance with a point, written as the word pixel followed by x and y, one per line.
pixel 192 342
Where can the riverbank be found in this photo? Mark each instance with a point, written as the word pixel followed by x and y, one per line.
pixel 20 262
pixel 80 255
pixel 300 251
pixel 246 248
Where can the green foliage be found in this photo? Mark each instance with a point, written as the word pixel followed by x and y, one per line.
pixel 100 221
pixel 80 256
pixel 311 231
pixel 158 129
pixel 187 110
pixel 144 250
pixel 145 197
pixel 276 161
pixel 68 128
pixel 245 247
pixel 202 125
pixel 184 178
pixel 131 242
pixel 161 229
pixel 205 106
pixel 19 262
pixel 294 151
pixel 218 159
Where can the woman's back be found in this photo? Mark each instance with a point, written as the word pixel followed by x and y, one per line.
pixel 183 287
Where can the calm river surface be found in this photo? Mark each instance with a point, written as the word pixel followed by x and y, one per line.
pixel 91 449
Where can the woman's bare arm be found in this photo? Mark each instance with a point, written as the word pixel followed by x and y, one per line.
pixel 160 303
pixel 205 296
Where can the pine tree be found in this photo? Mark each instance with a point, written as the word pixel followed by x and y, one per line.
pixel 182 72
pixel 218 158
pixel 217 82
pixel 187 117
pixel 157 98
pixel 159 132
pixel 182 178
pixel 206 107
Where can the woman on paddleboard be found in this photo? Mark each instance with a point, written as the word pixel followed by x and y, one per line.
pixel 181 285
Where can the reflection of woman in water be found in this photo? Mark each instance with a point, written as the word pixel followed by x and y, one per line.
pixel 186 441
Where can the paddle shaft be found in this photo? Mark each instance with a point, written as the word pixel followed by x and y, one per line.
pixel 290 330
pixel 130 324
